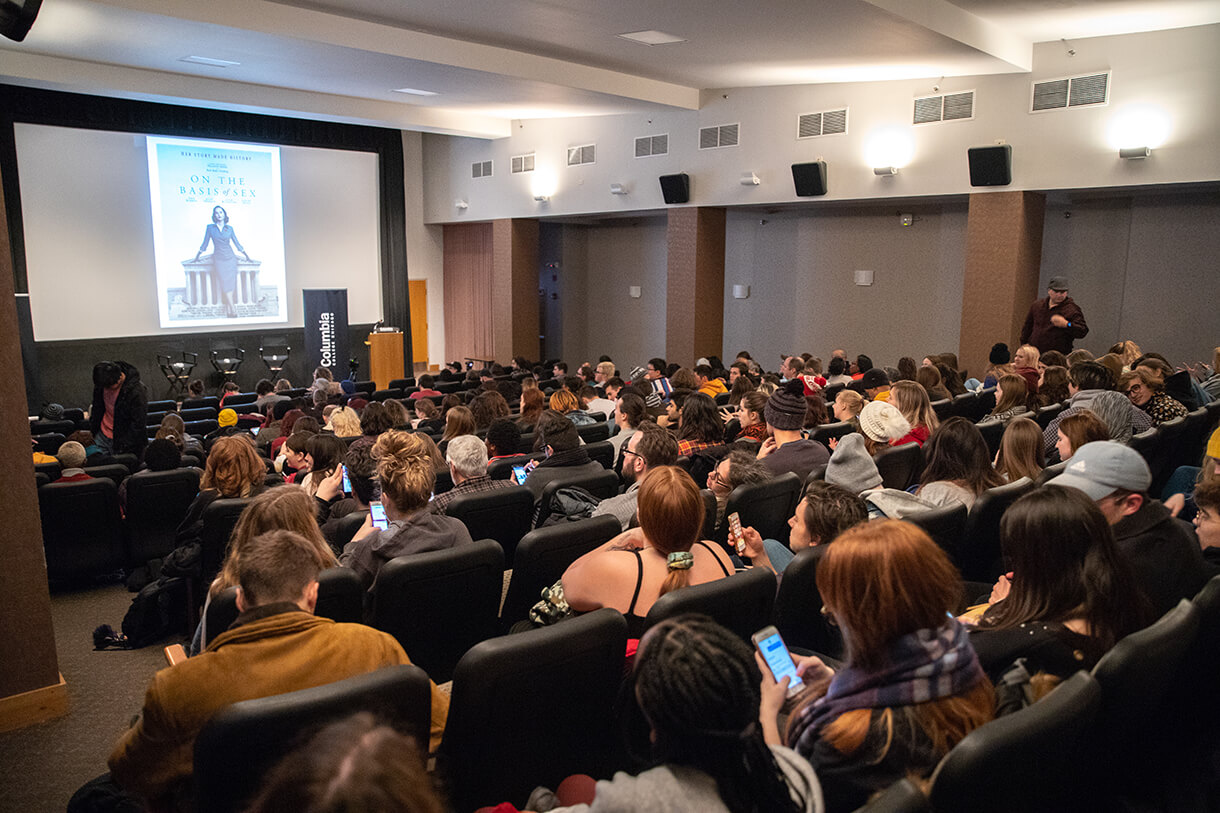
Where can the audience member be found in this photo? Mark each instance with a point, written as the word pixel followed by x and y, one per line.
pixel 293 461
pixel 591 402
pixel 737 468
pixel 751 412
pixel 234 469
pixel 650 446
pixel 332 505
pixel 1146 390
pixel 876 384
pixel 1025 364
pixel 959 465
pixel 267 395
pixel 1054 386
pixel 1053 358
pixel 999 363
pixel 488 407
pixel 194 389
pixel 883 425
pixel 929 377
pixel 458 421
pixel 276 645
pixel 426 388
pixel 911 687
pixel 533 402
pixel 71 457
pixel 906 369
pixel 352 764
pixel 1011 399
pixel 837 372
pixel 1020 454
pixel 467 460
pixel 120 408
pixel 323 457
pixel 407 478
pixel 911 399
pixel 1086 381
pixel 503 439
pixel 787 449
pixel 427 412
pixel 1077 430
pixel 345 423
pixel 630 572
pixel 565 456
pixel 629 413
pixel 825 511
pixel 1160 549
pixel 847 406
pixel 699 425
pixel 1070 597
pixel 566 403
pixel 654 374
pixel 227 420
pixel 1207 521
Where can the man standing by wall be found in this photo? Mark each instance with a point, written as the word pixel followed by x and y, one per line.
pixel 1055 322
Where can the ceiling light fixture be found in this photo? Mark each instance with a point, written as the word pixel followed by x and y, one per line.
pixel 415 92
pixel 209 61
pixel 651 37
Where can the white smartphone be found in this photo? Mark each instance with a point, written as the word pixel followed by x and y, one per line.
pixel 377 512
pixel 779 660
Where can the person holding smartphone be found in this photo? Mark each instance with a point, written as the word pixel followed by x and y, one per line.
pixel 407 477
pixel 911 687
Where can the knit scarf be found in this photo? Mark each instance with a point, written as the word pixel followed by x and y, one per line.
pixel 925 665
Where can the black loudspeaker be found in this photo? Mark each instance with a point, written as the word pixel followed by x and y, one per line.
pixel 990 166
pixel 809 179
pixel 676 188
pixel 16 17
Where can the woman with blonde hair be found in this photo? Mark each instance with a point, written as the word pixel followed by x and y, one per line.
pixel 631 571
pixel 1021 454
pixel 458 421
pixel 345 423
pixel 1127 352
pixel 912 401
pixel 1025 364
pixel 407 475
pixel 911 686
pixel 847 406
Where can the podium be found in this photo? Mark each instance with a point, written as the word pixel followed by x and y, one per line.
pixel 385 357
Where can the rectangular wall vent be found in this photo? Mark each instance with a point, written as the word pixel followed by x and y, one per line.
pixel 724 135
pixel 650 145
pixel 949 107
pixel 523 163
pixel 583 154
pixel 480 169
pixel 826 122
pixel 1070 91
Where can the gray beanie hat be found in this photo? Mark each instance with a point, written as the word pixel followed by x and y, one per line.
pixel 786 407
pixel 851 466
pixel 1114 409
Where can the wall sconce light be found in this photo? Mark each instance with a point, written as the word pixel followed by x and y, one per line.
pixel 618 189
pixel 885 171
pixel 542 198
pixel 749 179
pixel 1134 152
pixel 461 205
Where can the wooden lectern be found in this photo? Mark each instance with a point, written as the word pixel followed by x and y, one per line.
pixel 385 357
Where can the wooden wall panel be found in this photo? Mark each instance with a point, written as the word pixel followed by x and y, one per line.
pixel 468 270
pixel 694 293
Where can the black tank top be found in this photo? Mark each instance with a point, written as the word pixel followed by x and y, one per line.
pixel 635 623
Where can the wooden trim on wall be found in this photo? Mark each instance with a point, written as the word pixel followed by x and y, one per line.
pixel 36 706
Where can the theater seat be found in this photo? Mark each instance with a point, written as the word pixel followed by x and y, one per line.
pixel 798 606
pixel 440 603
pixel 742 602
pixel 503 515
pixel 82 532
pixel 533 708
pixel 243 742
pixel 157 501
pixel 899 466
pixel 980 556
pixel 602 485
pixel 219 519
pixel 340 598
pixel 946 526
pixel 765 506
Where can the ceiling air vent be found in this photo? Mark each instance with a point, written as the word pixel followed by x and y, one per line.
pixel 1071 91
pixel 647 146
pixel 480 169
pixel 523 163
pixel 827 122
pixel 950 107
pixel 724 135
pixel 580 155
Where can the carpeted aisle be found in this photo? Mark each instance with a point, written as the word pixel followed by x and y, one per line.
pixel 44 764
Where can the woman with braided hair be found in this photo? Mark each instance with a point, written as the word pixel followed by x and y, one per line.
pixel 640 565
pixel 696 691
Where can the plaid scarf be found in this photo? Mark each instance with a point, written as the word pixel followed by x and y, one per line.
pixel 928 664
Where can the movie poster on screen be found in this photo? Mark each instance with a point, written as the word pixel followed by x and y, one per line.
pixel 218 232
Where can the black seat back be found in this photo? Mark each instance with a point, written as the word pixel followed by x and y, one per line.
pixel 502 469
pixel 594 432
pixel 980 557
pixel 346 528
pixel 900 466
pixel 946 526
pixel 157 502
pixel 1047 739
pixel 993 433
pixel 1050 472
pixel 824 433
pixel 765 506
pixel 602 451
pixel 242 742
pixel 440 603
pixel 1048 413
pixel 798 606
pixel 533 708
pixel 114 471
pixel 602 484
pixel 340 598
pixel 82 534
pixel 544 554
pixel 219 520
pixel 742 602
pixel 503 515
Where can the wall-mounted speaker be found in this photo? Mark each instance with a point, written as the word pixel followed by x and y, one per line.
pixel 809 179
pixel 990 166
pixel 16 17
pixel 676 188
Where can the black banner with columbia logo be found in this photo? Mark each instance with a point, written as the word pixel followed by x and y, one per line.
pixel 326 330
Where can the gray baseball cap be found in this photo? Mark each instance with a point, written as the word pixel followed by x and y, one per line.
pixel 1058 284
pixel 1102 467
